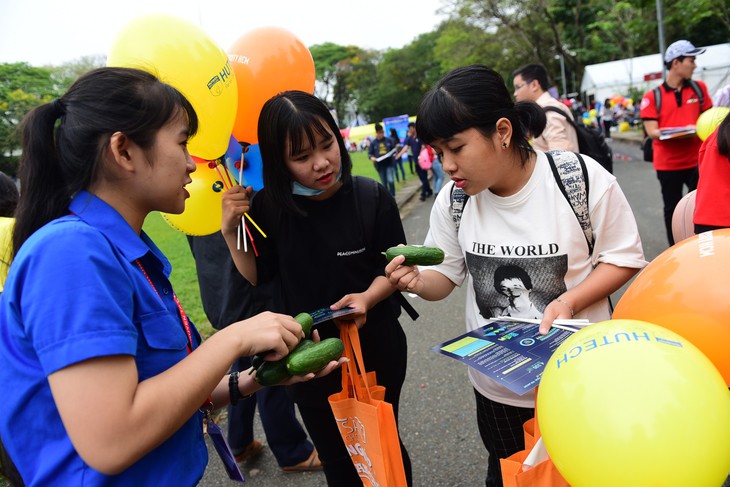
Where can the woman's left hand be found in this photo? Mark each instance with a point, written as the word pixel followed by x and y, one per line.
pixel 360 305
pixel 555 310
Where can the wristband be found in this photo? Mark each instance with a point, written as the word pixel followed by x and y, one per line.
pixel 572 313
pixel 233 391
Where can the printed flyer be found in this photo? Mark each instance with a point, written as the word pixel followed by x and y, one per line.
pixel 512 353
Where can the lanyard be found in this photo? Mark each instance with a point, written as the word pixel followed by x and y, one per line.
pixel 180 310
pixel 208 405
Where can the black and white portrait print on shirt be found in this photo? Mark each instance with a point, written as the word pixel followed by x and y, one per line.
pixel 517 287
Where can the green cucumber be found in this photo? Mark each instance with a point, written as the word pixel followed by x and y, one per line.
pixel 416 254
pixel 305 319
pixel 314 358
pixel 303 345
pixel 271 373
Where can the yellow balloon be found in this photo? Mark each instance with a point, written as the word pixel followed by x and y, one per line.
pixel 203 213
pixel 182 55
pixel 710 120
pixel 631 404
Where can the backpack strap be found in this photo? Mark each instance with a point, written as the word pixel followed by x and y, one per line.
pixel 458 201
pixel 558 110
pixel 692 83
pixel 365 211
pixel 698 91
pixel 571 175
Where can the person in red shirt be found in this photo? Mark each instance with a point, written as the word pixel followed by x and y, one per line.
pixel 712 201
pixel 675 160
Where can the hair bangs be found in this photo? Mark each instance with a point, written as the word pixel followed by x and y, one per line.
pixel 303 132
pixel 440 116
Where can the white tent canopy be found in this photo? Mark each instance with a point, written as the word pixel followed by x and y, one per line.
pixel 616 77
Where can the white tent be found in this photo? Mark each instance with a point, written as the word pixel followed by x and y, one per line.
pixel 616 77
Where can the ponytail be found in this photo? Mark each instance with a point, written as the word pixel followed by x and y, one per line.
pixel 531 122
pixel 44 195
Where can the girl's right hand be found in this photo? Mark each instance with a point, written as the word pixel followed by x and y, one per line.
pixel 404 277
pixel 268 332
pixel 236 202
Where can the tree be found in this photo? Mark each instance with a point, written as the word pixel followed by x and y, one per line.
pixel 65 74
pixel 403 76
pixel 22 87
pixel 334 66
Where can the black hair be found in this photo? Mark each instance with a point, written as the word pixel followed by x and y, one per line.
pixel 296 117
pixel 394 134
pixel 668 64
pixel 531 72
pixel 60 159
pixel 476 97
pixel 511 272
pixel 723 137
pixel 8 195
pixel 378 127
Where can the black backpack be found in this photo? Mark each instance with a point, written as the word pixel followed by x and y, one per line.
pixel 590 142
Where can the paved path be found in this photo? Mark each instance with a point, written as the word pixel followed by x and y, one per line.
pixel 438 422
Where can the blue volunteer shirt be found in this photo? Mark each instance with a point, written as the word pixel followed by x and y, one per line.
pixel 74 292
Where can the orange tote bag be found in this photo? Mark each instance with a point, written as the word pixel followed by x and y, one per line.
pixel 366 422
pixel 544 474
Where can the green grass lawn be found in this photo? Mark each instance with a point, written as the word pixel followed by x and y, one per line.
pixel 175 246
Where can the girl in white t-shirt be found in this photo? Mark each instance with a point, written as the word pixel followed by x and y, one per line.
pixel 516 216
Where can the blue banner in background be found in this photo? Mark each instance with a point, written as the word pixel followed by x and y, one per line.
pixel 399 123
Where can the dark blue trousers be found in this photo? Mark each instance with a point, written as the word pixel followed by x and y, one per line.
pixel 284 434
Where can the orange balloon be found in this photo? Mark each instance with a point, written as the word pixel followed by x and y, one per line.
pixel 266 61
pixel 685 290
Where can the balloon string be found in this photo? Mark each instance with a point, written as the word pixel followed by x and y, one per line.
pixel 241 227
pixel 240 170
pixel 253 245
pixel 228 175
pixel 220 175
pixel 254 224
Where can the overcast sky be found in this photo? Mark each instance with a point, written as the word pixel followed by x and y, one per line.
pixel 43 32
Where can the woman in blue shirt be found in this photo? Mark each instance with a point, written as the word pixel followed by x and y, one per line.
pixel 108 375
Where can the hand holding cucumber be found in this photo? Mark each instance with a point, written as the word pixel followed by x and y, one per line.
pixel 309 359
pixel 401 270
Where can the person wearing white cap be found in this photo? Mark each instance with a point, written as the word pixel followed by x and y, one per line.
pixel 678 102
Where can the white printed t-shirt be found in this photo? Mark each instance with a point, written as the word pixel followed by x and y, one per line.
pixel 536 230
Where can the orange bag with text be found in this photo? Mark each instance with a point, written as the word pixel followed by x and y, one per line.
pixel 541 474
pixel 366 422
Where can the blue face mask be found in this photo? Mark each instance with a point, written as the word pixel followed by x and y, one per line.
pixel 301 190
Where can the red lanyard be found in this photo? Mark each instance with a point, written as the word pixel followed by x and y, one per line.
pixel 208 405
pixel 183 315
